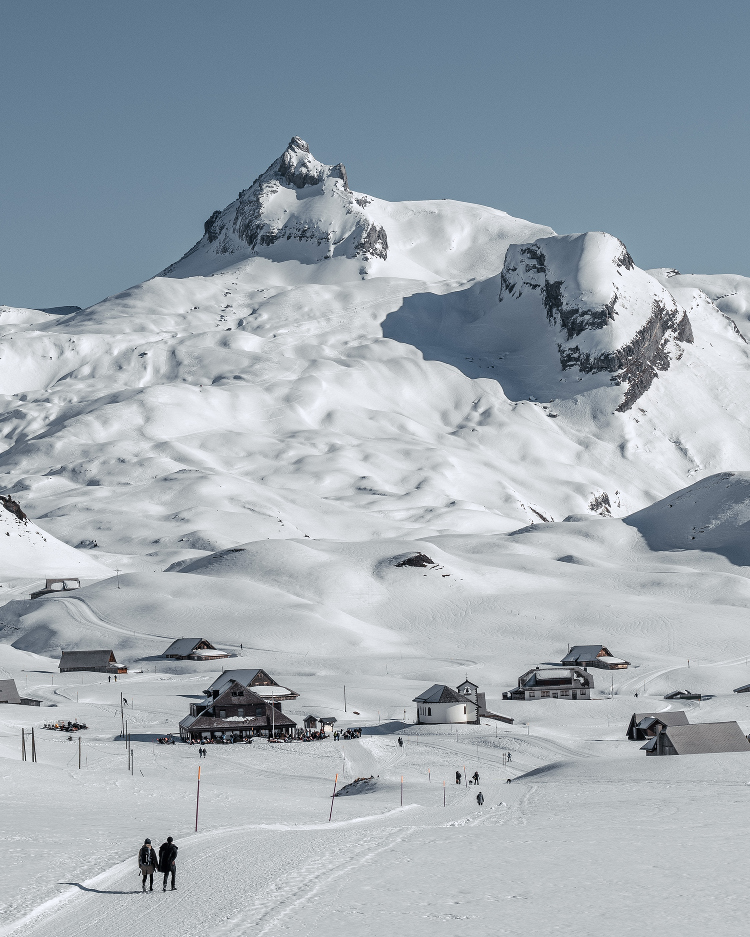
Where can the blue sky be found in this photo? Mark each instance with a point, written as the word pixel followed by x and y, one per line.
pixel 124 125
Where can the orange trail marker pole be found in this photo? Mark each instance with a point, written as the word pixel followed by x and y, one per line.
pixel 197 798
pixel 335 782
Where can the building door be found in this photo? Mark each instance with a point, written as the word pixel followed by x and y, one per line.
pixel 574 694
pixel 555 695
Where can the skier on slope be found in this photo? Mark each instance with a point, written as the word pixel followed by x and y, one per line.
pixel 167 861
pixel 147 862
pixel 480 798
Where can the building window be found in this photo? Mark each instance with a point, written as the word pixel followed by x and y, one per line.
pixel 429 710
pixel 532 695
pixel 260 710
pixel 222 714
pixel 545 694
pixel 240 711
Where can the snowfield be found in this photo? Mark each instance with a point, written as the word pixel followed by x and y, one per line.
pixel 248 446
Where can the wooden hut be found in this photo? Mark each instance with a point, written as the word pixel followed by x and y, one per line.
pixel 236 713
pixel 707 738
pixel 646 725
pixel 193 649
pixel 96 661
pixel 594 655
pixel 9 694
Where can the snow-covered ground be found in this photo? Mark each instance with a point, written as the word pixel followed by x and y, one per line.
pixel 247 446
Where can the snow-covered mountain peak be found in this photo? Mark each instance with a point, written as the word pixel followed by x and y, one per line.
pixel 298 209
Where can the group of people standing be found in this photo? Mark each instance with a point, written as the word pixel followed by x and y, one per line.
pixel 148 863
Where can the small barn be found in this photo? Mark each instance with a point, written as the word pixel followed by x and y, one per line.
pixel 555 683
pixel 193 649
pixel 443 705
pixel 594 655
pixel 646 725
pixel 708 738
pixel 235 714
pixel 683 694
pixel 9 694
pixel 96 661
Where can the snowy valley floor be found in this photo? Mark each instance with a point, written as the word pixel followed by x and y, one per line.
pixel 590 837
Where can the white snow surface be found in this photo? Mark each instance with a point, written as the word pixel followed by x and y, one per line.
pixel 256 439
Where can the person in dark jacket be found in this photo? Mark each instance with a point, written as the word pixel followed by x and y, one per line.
pixel 147 863
pixel 458 777
pixel 475 777
pixel 480 798
pixel 167 861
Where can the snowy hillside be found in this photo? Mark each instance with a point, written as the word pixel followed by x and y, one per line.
pixel 326 364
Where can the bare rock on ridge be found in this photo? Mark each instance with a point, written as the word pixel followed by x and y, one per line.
pixel 613 316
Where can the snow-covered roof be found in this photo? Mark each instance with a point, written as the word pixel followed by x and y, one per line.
pixel 439 693
pixel 246 677
pixel 668 718
pixel 604 659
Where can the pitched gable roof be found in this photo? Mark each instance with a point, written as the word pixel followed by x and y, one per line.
pixel 668 717
pixel 8 692
pixel 438 693
pixel 87 658
pixel 258 679
pixel 708 737
pixel 184 646
pixel 584 652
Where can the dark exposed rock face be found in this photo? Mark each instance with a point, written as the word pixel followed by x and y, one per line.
pixel 14 507
pixel 257 220
pixel 419 560
pixel 586 283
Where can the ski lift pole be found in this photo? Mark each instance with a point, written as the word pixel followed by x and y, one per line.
pixel 23 746
pixel 335 782
pixel 33 745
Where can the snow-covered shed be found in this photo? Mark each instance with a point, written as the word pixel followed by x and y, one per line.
pixel 594 655
pixel 683 694
pixel 235 713
pixel 96 661
pixel 193 649
pixel 646 725
pixel 442 704
pixel 553 683
pixel 702 739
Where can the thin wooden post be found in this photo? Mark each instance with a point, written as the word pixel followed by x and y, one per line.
pixel 33 746
pixel 335 782
pixel 23 746
pixel 402 790
pixel 443 793
pixel 344 697
pixel 197 798
pixel 79 752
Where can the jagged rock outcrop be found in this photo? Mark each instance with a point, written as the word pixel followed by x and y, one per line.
pixel 614 317
pixel 275 211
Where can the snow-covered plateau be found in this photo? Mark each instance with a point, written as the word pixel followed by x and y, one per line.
pixel 249 445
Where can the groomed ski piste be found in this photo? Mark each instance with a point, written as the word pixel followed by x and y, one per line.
pixel 248 446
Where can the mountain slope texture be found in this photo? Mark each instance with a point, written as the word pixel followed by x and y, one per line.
pixel 326 364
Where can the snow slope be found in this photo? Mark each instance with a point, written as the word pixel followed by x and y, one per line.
pixel 328 364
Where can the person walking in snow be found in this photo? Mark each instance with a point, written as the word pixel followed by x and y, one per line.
pixel 509 758
pixel 147 863
pixel 400 742
pixel 168 861
pixel 458 777
pixel 475 777
pixel 480 798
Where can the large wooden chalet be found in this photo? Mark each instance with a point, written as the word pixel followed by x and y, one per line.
pixel 193 649
pixel 96 661
pixel 594 655
pixel 554 683
pixel 240 704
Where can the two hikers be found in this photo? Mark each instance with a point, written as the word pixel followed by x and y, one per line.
pixel 147 863
pixel 166 863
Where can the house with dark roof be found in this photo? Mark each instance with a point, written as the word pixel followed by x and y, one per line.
pixel 235 714
pixel 9 694
pixel 646 725
pixel 96 661
pixel 257 680
pixel 193 649
pixel 554 683
pixel 594 655
pixel 702 739
pixel 442 704
pixel 683 694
